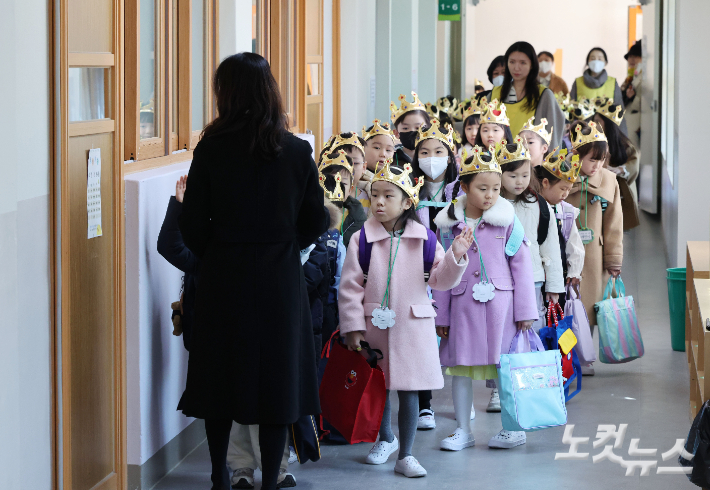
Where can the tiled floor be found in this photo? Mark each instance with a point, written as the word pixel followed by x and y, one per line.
pixel 649 394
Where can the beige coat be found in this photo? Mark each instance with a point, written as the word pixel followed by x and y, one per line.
pixel 607 249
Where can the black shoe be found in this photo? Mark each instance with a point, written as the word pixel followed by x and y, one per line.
pixel 288 482
pixel 242 483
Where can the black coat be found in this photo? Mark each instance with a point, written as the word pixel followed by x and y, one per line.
pixel 317 276
pixel 172 247
pixel 252 358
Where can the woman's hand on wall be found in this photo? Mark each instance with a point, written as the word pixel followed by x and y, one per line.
pixel 180 187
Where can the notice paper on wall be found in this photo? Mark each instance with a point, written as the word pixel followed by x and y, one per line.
pixel 93 192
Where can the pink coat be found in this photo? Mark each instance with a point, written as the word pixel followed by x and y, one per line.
pixel 411 356
pixel 480 332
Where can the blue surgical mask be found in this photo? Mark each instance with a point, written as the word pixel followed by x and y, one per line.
pixel 498 81
pixel 596 66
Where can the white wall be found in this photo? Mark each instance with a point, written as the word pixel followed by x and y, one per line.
pixel 549 25
pixel 686 210
pixel 25 287
pixel 235 17
pixel 357 63
pixel 156 359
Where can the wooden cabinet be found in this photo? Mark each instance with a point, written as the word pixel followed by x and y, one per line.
pixel 697 336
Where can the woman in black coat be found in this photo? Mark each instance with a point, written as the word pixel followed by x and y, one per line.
pixel 253 203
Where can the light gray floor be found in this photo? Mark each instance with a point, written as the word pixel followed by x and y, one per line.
pixel 649 394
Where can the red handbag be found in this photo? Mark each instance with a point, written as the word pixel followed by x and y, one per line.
pixel 352 393
pixel 553 311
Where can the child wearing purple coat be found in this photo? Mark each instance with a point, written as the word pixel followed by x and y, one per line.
pixel 478 319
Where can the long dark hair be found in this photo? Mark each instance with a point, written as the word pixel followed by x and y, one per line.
pixel 618 142
pixel 532 92
pixel 506 129
pixel 249 105
pixel 450 173
pixel 542 173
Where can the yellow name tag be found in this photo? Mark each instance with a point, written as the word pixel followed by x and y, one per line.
pixel 567 341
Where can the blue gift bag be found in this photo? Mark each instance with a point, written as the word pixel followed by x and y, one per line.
pixel 530 385
pixel 619 334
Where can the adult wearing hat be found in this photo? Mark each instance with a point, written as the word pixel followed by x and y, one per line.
pixel 595 82
pixel 632 99
pixel 547 77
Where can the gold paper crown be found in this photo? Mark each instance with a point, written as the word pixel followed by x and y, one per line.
pixel 470 108
pixel 555 163
pixel 603 106
pixel 400 180
pixel 377 130
pixel 539 129
pixel 477 82
pixel 446 105
pixel 521 151
pixel 563 99
pixel 337 195
pixel 432 110
pixel 406 107
pixel 434 132
pixel 338 141
pixel 478 165
pixel 581 110
pixel 495 113
pixel 582 139
pixel 457 137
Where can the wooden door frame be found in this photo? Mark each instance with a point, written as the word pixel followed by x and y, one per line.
pixel 61 328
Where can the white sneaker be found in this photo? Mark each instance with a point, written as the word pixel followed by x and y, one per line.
pixel 426 420
pixel 292 457
pixel 409 467
pixel 588 370
pixel 285 480
pixel 243 478
pixel 507 439
pixel 473 412
pixel 494 403
pixel 381 451
pixel 457 441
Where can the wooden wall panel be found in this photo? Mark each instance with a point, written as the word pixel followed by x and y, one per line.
pixel 88 21
pixel 92 339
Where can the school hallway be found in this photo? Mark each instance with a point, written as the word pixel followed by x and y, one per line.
pixel 649 394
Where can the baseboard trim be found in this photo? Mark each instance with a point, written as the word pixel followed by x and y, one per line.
pixel 147 475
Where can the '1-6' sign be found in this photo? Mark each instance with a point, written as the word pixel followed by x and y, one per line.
pixel 449 9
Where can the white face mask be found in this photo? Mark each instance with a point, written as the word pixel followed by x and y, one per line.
pixel 498 81
pixel 546 66
pixel 596 66
pixel 433 167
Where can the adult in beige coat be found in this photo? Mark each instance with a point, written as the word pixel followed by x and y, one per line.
pixel 606 251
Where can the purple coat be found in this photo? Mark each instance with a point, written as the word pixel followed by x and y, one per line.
pixel 481 331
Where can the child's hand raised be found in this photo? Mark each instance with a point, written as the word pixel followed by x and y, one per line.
pixel 462 243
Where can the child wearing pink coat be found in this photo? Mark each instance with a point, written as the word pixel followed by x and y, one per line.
pixel 396 281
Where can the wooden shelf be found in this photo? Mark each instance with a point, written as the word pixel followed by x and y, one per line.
pixel 697 338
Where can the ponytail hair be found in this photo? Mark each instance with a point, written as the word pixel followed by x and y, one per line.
pixel 618 142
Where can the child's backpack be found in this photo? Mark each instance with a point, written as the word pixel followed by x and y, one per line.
pixel 566 216
pixel 543 225
pixel 429 252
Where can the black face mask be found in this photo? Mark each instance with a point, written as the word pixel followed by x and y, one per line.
pixel 408 139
